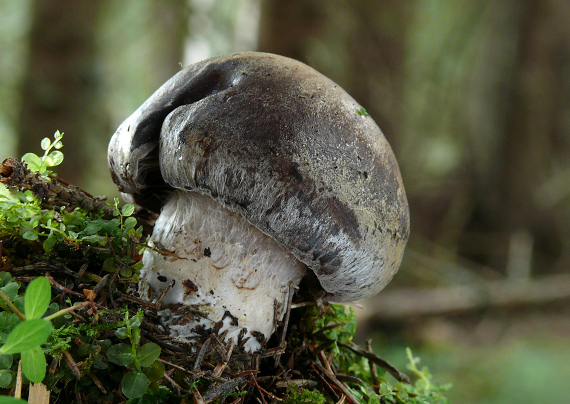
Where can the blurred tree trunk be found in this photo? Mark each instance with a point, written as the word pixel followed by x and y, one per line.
pixel 171 18
pixel 59 85
pixel 537 141
pixel 286 26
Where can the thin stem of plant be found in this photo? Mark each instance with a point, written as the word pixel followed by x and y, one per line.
pixel 67 310
pixel 11 306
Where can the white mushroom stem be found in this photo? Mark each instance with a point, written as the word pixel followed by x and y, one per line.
pixel 223 268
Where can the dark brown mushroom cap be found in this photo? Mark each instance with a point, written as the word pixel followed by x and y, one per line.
pixel 276 141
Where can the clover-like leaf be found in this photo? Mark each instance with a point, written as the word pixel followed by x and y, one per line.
pixel 33 161
pixel 6 361
pixel 37 298
pixel 46 143
pixel 5 277
pixel 134 384
pixel 155 372
pixel 130 222
pixel 148 353
pixel 5 378
pixel 121 354
pixel 54 158
pixel 11 289
pixel 50 242
pixel 128 209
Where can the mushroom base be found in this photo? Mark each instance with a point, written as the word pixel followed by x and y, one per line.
pixel 224 272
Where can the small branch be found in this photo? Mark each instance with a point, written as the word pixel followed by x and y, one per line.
pixel 373 370
pixel 285 322
pixel 372 357
pixel 197 398
pixel 62 288
pixel 335 382
pixel 67 310
pixel 223 388
pixel 402 304
pixel 71 364
pixel 11 306
pixel 203 349
pixel 97 382
pixel 176 386
pixel 219 369
pixel 53 193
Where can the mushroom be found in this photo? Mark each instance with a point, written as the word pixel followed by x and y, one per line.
pixel 263 171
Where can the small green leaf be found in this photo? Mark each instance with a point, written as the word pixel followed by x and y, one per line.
pixel 46 143
pixel 8 321
pixel 54 158
pixel 130 222
pixel 126 272
pixel 11 400
pixel 30 235
pixel 109 265
pixel 104 344
pixel 100 365
pixel 94 239
pixel 13 218
pixel 362 112
pixel 135 321
pixel 148 353
pixel 35 221
pixel 5 277
pixel 34 364
pixel 94 226
pixel 50 242
pixel 19 303
pixel 120 354
pixel 128 209
pixel 27 335
pixel 6 361
pixel 11 290
pixel 155 372
pixel 121 332
pixel 33 162
pixel 134 384
pixel 37 298
pixel 5 378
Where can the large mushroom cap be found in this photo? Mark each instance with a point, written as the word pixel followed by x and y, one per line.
pixel 281 144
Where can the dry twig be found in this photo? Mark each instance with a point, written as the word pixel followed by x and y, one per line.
pixel 53 192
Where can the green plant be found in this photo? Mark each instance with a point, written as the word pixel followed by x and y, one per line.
pixel 33 331
pixel 297 395
pixel 142 361
pixel 22 216
pixel 51 158
pixel 424 385
pixel 68 235
pixel 333 328
pixel 362 112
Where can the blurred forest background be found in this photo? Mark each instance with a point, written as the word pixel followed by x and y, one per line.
pixel 474 97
